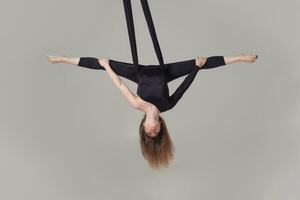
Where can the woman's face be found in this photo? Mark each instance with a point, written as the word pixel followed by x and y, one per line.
pixel 152 130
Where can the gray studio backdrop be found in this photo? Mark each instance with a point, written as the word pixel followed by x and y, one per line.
pixel 67 133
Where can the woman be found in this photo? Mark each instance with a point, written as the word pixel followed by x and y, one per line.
pixel 155 141
pixel 152 97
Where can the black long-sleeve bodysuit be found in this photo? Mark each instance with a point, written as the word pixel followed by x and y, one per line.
pixel 153 80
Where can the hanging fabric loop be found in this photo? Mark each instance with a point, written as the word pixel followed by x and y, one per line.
pixel 131 32
pixel 152 31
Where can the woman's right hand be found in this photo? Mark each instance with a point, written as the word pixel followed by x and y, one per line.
pixel 104 62
pixel 200 61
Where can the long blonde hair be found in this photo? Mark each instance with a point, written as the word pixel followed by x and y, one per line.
pixel 158 150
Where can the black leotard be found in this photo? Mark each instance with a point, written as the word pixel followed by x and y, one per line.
pixel 153 87
pixel 153 80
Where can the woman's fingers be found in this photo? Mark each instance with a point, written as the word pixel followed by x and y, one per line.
pixel 200 61
pixel 104 62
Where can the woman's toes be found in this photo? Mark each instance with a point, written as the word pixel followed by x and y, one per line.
pixel 253 58
pixel 54 59
pixel 250 58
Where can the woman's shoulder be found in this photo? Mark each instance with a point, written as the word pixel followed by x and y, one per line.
pixel 145 106
pixel 141 104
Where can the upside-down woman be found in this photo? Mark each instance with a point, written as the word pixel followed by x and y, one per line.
pixel 152 96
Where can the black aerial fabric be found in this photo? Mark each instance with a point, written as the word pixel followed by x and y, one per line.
pixel 153 80
pixel 152 31
pixel 131 31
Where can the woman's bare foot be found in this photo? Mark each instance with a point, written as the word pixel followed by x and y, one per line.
pixel 55 59
pixel 248 58
pixel 200 61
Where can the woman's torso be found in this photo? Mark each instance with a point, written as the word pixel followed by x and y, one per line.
pixel 153 87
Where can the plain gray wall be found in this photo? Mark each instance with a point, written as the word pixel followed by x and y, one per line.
pixel 67 133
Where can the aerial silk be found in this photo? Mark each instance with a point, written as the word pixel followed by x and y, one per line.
pixel 131 31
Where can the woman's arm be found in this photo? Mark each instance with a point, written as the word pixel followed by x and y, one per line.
pixel 179 92
pixel 129 95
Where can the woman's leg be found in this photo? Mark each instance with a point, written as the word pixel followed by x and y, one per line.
pixel 178 69
pixel 123 69
pixel 62 59
pixel 240 58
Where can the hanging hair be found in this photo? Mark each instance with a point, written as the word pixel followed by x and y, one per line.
pixel 158 150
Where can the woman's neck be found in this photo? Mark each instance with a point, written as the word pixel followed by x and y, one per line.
pixel 152 115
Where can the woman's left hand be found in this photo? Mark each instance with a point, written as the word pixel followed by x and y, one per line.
pixel 104 62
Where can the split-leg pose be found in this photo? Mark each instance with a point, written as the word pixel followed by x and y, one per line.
pixel 152 96
pixel 176 69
